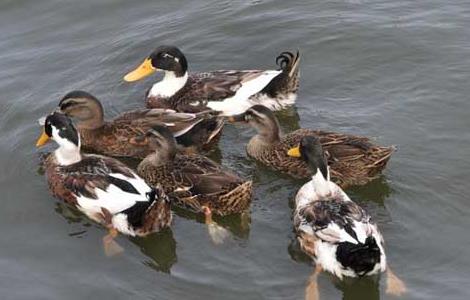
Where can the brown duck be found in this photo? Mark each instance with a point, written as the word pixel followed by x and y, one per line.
pixel 193 181
pixel 117 137
pixel 354 160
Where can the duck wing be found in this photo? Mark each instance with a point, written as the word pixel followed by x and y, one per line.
pixel 103 182
pixel 334 221
pixel 147 118
pixel 205 177
pixel 209 89
pixel 218 85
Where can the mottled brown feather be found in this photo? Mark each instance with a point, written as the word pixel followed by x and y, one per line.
pixel 193 181
pixel 118 137
pixel 353 160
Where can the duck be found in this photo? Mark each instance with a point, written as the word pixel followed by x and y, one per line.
pixel 193 131
pixel 354 160
pixel 225 91
pixel 193 181
pixel 104 189
pixel 332 229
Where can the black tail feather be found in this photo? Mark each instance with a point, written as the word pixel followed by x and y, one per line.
pixel 361 257
pixel 136 213
pixel 288 81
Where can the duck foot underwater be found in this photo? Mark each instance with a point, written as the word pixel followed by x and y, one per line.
pixel 111 247
pixel 395 286
pixel 311 290
pixel 217 233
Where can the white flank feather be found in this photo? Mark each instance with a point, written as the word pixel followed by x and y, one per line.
pixel 240 102
pixel 113 198
pixel 139 184
pixel 326 257
pixel 278 103
pixel 122 225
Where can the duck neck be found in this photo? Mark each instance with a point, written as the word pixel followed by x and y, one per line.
pixel 269 133
pixel 169 85
pixel 68 154
pixel 161 158
pixel 266 137
pixel 320 183
pixel 91 124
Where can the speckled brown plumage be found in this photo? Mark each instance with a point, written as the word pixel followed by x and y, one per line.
pixel 120 136
pixel 193 181
pixel 353 160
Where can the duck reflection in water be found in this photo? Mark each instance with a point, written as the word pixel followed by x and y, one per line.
pixel 159 247
pixel 234 226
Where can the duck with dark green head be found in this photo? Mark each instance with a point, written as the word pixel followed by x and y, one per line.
pixel 336 232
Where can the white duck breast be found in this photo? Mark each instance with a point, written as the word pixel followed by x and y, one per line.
pixel 68 153
pixel 169 85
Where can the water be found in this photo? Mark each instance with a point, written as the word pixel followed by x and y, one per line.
pixel 393 70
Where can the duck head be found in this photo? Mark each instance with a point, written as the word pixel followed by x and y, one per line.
pixel 161 139
pixel 165 58
pixel 311 151
pixel 84 107
pixel 59 128
pixel 263 120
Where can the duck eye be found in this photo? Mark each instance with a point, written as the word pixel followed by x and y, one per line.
pixel 167 55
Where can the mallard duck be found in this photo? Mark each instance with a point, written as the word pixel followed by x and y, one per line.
pixel 193 181
pixel 336 232
pixel 226 91
pixel 354 160
pixel 116 137
pixel 104 189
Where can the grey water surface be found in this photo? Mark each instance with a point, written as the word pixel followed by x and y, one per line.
pixel 397 71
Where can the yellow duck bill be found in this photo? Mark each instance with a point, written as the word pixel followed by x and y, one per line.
pixel 294 152
pixel 144 70
pixel 42 140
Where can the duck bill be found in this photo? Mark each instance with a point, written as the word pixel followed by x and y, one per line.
pixel 42 140
pixel 294 152
pixel 236 118
pixel 144 70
